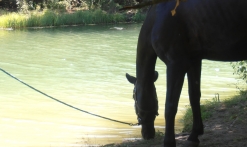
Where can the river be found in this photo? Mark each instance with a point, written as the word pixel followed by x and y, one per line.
pixel 83 66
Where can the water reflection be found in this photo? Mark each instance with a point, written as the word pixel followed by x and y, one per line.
pixel 84 66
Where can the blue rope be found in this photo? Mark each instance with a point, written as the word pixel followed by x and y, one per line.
pixel 7 73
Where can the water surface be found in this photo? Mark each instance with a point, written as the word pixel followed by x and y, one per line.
pixel 85 67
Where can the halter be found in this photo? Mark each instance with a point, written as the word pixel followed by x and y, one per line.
pixel 138 110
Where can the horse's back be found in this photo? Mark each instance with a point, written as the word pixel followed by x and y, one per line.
pixel 217 27
pixel 211 29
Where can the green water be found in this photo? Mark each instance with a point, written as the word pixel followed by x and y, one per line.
pixel 83 66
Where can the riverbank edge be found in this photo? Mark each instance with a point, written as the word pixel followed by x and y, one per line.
pixel 50 19
pixel 209 109
pixel 64 26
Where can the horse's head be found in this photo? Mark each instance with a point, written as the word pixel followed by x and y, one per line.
pixel 146 105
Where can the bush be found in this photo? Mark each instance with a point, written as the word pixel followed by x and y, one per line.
pixel 60 5
pixel 240 68
pixel 139 16
pixel 8 4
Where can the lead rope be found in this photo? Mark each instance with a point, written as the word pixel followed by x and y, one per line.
pixel 7 73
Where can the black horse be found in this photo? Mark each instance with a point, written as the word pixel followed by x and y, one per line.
pixel 201 29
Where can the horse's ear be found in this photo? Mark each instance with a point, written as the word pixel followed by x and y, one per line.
pixel 130 78
pixel 156 75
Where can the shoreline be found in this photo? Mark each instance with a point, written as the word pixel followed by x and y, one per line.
pixel 48 27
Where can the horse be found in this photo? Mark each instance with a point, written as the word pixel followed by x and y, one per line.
pixel 200 29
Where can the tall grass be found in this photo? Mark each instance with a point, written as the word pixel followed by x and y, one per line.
pixel 206 113
pixel 13 20
pixel 52 18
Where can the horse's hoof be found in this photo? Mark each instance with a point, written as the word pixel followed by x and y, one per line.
pixel 169 143
pixel 148 132
pixel 191 144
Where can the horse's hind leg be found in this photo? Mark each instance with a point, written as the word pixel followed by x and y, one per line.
pixel 194 77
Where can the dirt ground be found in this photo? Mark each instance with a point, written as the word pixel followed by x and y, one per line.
pixel 226 128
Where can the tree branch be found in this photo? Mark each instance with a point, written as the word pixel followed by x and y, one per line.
pixel 151 2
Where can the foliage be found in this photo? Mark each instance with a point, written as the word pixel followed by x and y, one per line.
pixel 210 106
pixel 58 4
pixel 206 112
pixel 42 13
pixel 8 4
pixel 53 18
pixel 237 100
pixel 139 16
pixel 240 68
pixel 34 4
pixel 110 6
pixel 13 20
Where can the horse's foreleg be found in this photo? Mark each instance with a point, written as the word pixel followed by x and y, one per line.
pixel 175 79
pixel 194 78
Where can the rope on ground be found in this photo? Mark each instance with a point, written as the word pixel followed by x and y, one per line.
pixel 7 73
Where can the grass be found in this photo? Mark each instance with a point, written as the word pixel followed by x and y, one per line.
pixel 13 20
pixel 209 107
pixel 206 111
pixel 49 18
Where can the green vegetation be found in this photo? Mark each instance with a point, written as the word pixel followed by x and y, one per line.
pixel 52 18
pixel 138 17
pixel 240 68
pixel 62 4
pixel 206 110
pixel 209 107
pixel 47 13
